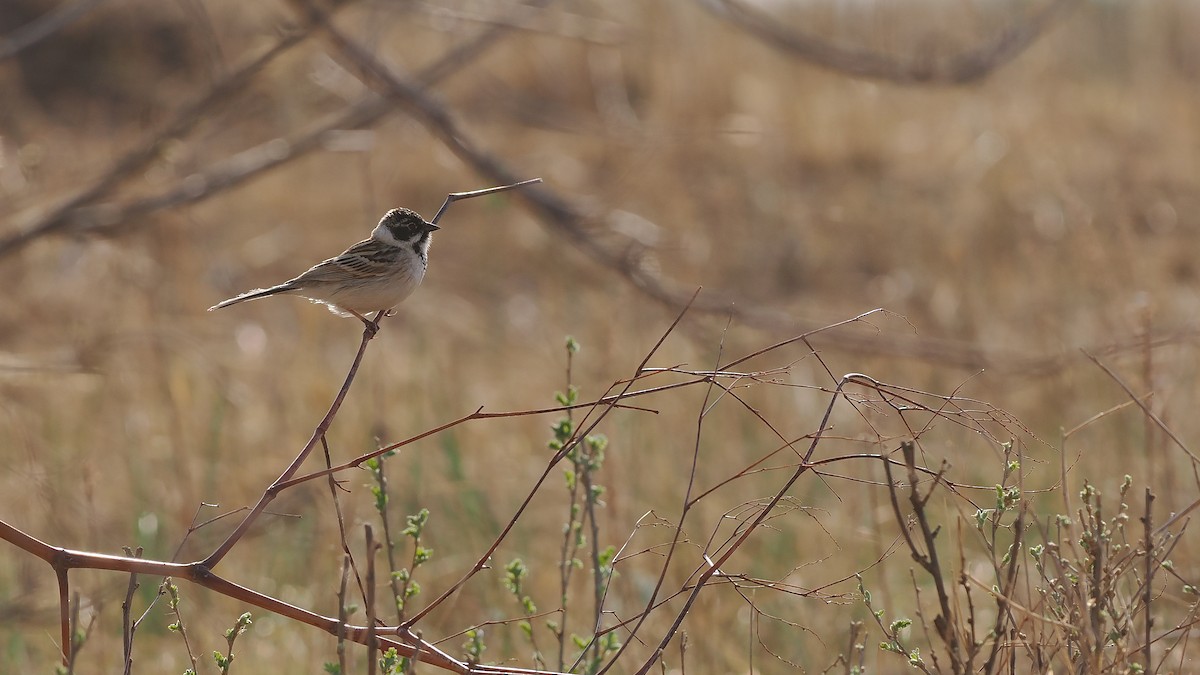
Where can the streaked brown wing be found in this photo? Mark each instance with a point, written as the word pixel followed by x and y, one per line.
pixel 362 261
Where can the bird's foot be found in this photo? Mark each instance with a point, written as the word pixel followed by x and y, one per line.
pixel 370 326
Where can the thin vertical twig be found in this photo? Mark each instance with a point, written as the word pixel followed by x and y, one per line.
pixel 342 614
pixel 929 561
pixel 127 627
pixel 341 522
pixel 1148 435
pixel 389 543
pixel 75 631
pixel 1096 593
pixel 683 645
pixel 567 553
pixel 372 638
pixel 64 614
pixel 1147 589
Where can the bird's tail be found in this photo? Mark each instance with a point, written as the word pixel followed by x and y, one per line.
pixel 252 295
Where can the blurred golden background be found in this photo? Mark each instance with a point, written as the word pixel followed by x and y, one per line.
pixel 1006 216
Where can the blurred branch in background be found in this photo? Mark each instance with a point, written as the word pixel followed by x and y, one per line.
pixel 43 27
pixel 80 214
pixel 595 232
pixel 65 216
pixel 971 65
pixel 628 257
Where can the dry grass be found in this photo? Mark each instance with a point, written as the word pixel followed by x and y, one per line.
pixel 1049 207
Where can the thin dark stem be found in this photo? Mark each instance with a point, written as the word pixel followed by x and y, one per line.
pixel 342 615
pixel 1147 590
pixel 389 542
pixel 1008 580
pixel 597 573
pixel 1096 592
pixel 74 643
pixel 372 641
pixel 127 627
pixel 929 561
pixel 567 554
pixel 341 521
pixel 64 613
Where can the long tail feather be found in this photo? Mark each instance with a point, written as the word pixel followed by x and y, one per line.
pixel 252 295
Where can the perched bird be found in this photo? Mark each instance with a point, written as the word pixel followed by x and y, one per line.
pixel 373 275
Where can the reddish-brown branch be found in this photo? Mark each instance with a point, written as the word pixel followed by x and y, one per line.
pixel 64 560
pixel 269 495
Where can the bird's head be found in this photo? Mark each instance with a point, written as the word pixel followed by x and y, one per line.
pixel 403 227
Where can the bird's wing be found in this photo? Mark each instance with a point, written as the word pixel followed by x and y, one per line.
pixel 365 260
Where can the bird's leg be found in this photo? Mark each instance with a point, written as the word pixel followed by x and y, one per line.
pixel 371 327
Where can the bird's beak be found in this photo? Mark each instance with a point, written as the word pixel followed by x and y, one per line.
pixel 433 227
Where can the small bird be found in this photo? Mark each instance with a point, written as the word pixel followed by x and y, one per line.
pixel 373 275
